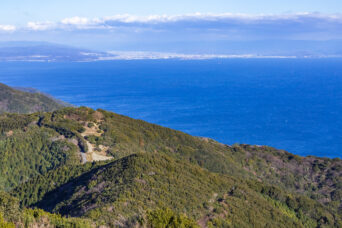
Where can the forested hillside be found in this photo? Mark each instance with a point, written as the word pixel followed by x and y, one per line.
pixel 16 101
pixel 112 170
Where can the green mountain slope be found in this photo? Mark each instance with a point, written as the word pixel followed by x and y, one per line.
pixel 11 216
pixel 16 101
pixel 149 167
pixel 27 150
pixel 122 192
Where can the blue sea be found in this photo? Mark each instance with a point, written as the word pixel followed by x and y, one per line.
pixel 291 104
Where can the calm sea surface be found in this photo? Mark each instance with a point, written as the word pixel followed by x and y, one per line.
pixel 294 105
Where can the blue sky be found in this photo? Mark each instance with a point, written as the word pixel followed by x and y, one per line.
pixel 178 26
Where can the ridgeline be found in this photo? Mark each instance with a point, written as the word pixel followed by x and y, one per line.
pixel 17 101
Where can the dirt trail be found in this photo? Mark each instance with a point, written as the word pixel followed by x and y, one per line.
pixel 84 158
pixel 93 154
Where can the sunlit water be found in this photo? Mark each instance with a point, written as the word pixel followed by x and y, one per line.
pixel 294 105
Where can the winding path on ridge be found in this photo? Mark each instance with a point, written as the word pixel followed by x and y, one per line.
pixel 93 154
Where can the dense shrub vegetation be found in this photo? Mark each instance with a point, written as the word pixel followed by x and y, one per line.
pixel 12 216
pixel 167 218
pixel 31 153
pixel 16 101
pixel 201 181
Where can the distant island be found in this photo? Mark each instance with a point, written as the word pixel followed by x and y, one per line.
pixel 78 167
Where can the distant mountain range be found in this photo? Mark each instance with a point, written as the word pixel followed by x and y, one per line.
pixel 44 52
pixel 79 167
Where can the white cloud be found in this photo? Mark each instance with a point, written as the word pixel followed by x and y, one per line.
pixel 293 26
pixel 76 21
pixel 7 28
pixel 40 26
pixel 126 18
pixel 197 18
pixel 81 23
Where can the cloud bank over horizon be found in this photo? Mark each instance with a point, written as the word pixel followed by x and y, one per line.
pixel 198 20
pixel 180 32
pixel 7 28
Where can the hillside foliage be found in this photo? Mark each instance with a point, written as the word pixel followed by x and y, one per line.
pixel 158 177
pixel 16 101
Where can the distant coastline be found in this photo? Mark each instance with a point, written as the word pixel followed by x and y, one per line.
pixel 52 52
pixel 147 55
